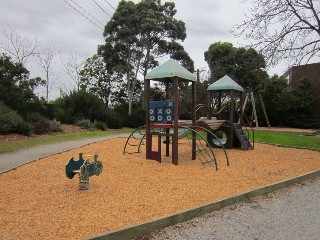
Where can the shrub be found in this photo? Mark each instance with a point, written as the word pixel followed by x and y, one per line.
pixel 41 126
pixel 136 119
pixel 100 125
pixel 80 105
pixel 12 122
pixel 114 121
pixel 84 124
pixel 64 115
pixel 55 126
pixel 25 128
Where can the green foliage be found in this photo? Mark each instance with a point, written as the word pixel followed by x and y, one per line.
pixel 87 124
pixel 114 121
pixel 9 119
pixel 16 89
pixel 44 125
pixel 287 106
pixel 84 124
pixel 139 33
pixel 95 77
pixel 245 66
pixel 136 119
pixel 12 122
pixel 100 125
pixel 80 105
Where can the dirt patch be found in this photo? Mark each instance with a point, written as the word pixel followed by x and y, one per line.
pixel 39 202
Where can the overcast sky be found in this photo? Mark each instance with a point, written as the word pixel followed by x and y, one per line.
pixel 57 24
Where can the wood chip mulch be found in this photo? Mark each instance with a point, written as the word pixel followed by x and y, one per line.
pixel 39 202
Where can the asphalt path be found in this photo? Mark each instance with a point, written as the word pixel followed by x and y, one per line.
pixel 13 160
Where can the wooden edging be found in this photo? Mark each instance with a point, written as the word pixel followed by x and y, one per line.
pixel 147 227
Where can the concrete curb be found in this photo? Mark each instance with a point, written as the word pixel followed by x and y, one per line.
pixel 147 227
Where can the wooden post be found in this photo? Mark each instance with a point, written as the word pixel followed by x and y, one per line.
pixel 245 103
pixel 264 110
pixel 168 129
pixel 219 105
pixel 209 105
pixel 241 110
pixel 254 109
pixel 194 153
pixel 231 119
pixel 148 136
pixel 175 122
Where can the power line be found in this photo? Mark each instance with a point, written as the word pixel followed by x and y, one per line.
pixel 87 12
pixel 83 15
pixel 101 8
pixel 110 5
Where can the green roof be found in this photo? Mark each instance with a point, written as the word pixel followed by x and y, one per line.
pixel 225 83
pixel 170 69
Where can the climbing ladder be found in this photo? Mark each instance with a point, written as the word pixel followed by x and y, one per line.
pixel 244 140
pixel 135 140
pixel 204 151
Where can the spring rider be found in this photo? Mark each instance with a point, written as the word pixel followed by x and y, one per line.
pixel 84 168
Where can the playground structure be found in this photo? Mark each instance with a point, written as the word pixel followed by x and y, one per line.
pixel 84 168
pixel 162 119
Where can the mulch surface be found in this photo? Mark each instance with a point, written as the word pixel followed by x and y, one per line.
pixel 39 202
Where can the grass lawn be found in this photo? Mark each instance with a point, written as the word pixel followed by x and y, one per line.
pixel 47 139
pixel 289 139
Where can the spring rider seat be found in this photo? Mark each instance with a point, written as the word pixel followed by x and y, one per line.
pixel 84 168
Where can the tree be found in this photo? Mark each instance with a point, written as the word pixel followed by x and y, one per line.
pixel 73 66
pixel 96 78
pixel 139 33
pixel 283 29
pixel 20 48
pixel 220 59
pixel 16 89
pixel 287 106
pixel 45 60
pixel 245 66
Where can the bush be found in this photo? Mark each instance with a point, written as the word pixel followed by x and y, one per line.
pixel 44 125
pixel 12 122
pixel 100 125
pixel 41 126
pixel 64 115
pixel 84 124
pixel 80 105
pixel 114 121
pixel 25 128
pixel 55 126
pixel 136 119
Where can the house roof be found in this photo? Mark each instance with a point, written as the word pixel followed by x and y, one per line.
pixel 169 70
pixel 225 83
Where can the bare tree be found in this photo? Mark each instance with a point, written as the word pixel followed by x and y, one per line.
pixel 283 29
pixel 20 48
pixel 45 59
pixel 73 66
